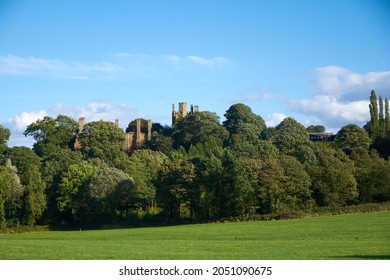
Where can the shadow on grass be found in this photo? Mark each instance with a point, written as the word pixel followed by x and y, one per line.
pixel 365 257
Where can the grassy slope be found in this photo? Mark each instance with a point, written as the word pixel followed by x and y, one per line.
pixel 355 236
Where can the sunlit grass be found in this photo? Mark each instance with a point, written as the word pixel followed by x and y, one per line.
pixel 353 236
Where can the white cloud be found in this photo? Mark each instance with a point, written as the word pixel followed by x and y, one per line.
pixel 92 112
pixel 348 85
pixel 20 122
pixel 342 96
pixel 274 119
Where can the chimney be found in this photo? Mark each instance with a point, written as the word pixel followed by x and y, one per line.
pixel 81 124
pixel 138 134
pixel 149 130
pixel 117 122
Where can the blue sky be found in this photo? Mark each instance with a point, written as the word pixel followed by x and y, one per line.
pixel 316 61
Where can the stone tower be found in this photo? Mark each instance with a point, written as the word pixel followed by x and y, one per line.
pixel 182 113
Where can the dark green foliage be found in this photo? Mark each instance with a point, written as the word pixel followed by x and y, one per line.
pixel 315 129
pixel 14 204
pixel 351 137
pixel 289 135
pixel 197 128
pixel 52 134
pixel 23 158
pixel 372 176
pixel 144 167
pixel 240 120
pixel 103 140
pixel 35 198
pixel 132 127
pixel 72 196
pixel 4 136
pixel 333 181
pixel 5 187
pixel 379 125
pixel 283 185
pixel 238 169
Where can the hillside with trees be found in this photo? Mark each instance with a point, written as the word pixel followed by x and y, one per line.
pixel 199 169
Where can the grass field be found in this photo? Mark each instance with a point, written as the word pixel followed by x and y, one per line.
pixel 354 236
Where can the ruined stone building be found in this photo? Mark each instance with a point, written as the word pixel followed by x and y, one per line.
pixel 182 113
pixel 133 140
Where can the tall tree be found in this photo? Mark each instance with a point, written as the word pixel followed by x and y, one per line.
pixel 333 181
pixel 351 137
pixel 23 158
pixel 5 186
pixel 102 191
pixel 103 140
pixel 316 129
pixel 197 128
pixel 72 195
pixel 387 118
pixel 35 198
pixel 51 134
pixel 374 118
pixel 241 120
pixel 289 136
pixel 4 136
pixel 144 166
pixel 14 204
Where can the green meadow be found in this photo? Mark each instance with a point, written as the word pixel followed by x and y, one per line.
pixel 352 236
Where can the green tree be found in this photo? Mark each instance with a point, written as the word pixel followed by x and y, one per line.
pixel 333 181
pixel 35 198
pixel 378 126
pixel 240 120
pixel 144 167
pixel 14 204
pixel 4 137
pixel 283 185
pixel 351 137
pixel 289 136
pixel 102 191
pixel 23 158
pixel 161 139
pixel 197 128
pixel 259 149
pixel 237 193
pixel 176 180
pixel 373 126
pixel 132 126
pixel 51 134
pixel 103 140
pixel 53 166
pixel 315 129
pixel 72 198
pixel 5 186
pixel 372 175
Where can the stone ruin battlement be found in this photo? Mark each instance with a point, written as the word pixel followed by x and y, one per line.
pixel 133 140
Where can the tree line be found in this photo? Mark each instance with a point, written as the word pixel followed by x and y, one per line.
pixel 197 168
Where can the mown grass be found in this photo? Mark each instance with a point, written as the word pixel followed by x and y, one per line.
pixel 350 236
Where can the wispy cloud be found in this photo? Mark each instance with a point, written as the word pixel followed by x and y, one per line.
pixel 32 66
pixel 210 62
pixel 260 93
pixel 194 60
